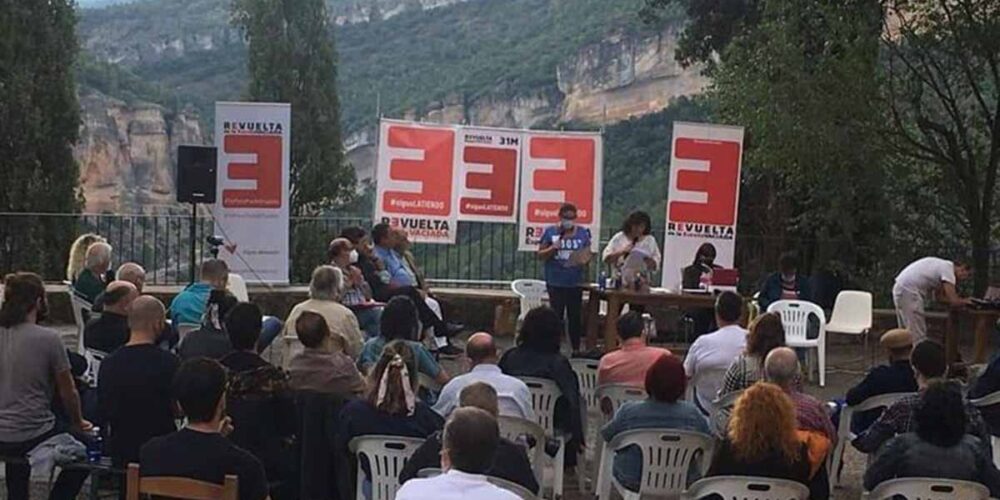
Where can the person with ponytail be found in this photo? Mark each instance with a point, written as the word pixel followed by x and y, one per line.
pixel 390 406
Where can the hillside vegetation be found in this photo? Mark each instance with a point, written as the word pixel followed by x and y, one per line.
pixel 465 51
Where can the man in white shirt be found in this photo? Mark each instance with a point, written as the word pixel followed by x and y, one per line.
pixel 917 284
pixel 711 354
pixel 471 437
pixel 513 394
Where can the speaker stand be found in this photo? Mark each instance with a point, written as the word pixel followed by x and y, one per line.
pixel 194 241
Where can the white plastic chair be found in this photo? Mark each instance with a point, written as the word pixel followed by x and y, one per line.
pixel 81 308
pixel 532 293
pixel 925 488
pixel 586 374
pixel 94 359
pixel 386 456
pixel 529 434
pixel 667 455
pixel 238 287
pixel 512 487
pixel 990 400
pixel 747 488
pixel 844 434
pixel 795 318
pixel 614 395
pixel 852 314
pixel 544 394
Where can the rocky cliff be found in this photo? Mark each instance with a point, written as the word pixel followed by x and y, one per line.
pixel 127 153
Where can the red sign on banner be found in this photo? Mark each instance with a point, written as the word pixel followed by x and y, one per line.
pixel 720 182
pixel 265 171
pixel 415 172
pixel 488 168
pixel 559 168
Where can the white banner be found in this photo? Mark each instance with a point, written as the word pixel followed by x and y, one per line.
pixel 489 166
pixel 559 167
pixel 415 180
pixel 252 203
pixel 703 196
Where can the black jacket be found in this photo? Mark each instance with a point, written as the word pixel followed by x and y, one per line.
pixel 510 462
pixel 884 379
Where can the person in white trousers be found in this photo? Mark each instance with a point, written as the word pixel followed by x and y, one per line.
pixel 918 283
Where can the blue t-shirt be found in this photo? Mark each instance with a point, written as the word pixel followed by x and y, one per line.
pixel 372 350
pixel 395 265
pixel 558 270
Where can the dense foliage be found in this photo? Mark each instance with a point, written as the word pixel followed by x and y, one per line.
pixel 39 123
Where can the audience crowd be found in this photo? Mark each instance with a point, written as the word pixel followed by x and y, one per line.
pixel 366 346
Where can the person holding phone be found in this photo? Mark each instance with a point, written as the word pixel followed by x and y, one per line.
pixel 565 248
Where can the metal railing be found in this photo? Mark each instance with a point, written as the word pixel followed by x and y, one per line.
pixel 485 254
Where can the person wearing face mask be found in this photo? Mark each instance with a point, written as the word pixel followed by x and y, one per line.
pixel 565 248
pixel 786 284
pixel 700 271
pixel 134 390
pixel 357 295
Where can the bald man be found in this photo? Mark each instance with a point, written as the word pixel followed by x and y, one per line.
pixel 134 384
pixel 133 273
pixel 513 395
pixel 109 331
pixel 781 367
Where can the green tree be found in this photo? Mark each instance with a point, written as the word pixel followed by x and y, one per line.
pixel 941 86
pixel 291 58
pixel 39 123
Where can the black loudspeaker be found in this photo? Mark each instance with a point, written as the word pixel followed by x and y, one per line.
pixel 196 174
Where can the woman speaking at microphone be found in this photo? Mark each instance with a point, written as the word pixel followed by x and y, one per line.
pixel 565 248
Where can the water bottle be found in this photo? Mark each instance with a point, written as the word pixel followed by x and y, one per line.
pixel 95 446
pixel 602 281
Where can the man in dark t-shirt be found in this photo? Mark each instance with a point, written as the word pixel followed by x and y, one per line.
pixel 109 330
pixel 133 392
pixel 201 451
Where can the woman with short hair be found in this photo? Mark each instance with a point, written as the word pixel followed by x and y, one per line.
pixel 664 408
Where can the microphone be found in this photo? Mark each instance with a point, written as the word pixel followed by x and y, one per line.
pixel 214 240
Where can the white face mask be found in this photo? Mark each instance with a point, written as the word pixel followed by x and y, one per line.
pixel 354 257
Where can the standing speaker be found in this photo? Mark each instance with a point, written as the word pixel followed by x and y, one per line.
pixel 196 174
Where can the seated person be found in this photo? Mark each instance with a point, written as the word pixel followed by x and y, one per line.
pixel 324 295
pixel 897 376
pixel 537 355
pixel 394 280
pixel 785 284
pixel 928 362
pixel 699 273
pixel 628 364
pixel 78 254
pixel 986 384
pixel 766 333
pixel 410 268
pixel 188 307
pixel 258 399
pixel 762 440
pixel 134 393
pixel 636 233
pixel 96 273
pixel 357 294
pixel 211 340
pixel 471 442
pixel 399 322
pixel 939 447
pixel 132 273
pixel 515 399
pixel 322 366
pixel 34 370
pixel 390 406
pixel 665 383
pixel 510 461
pixel 781 368
pixel 201 451
pixel 109 330
pixel 710 355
